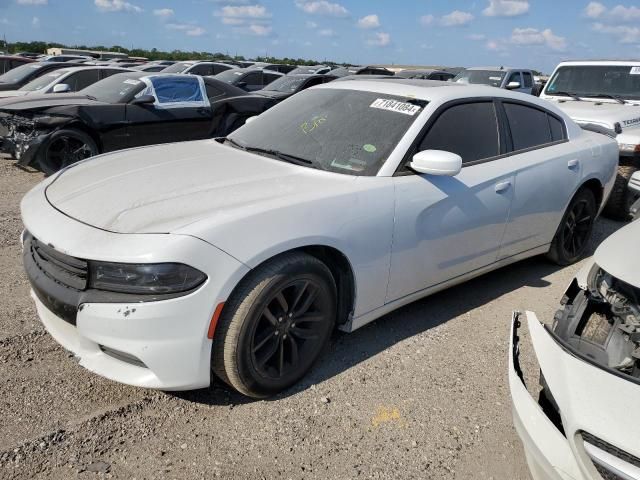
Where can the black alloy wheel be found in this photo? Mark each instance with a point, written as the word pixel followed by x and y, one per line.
pixel 289 329
pixel 572 237
pixel 65 148
pixel 275 325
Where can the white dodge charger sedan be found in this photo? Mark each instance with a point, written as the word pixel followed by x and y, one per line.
pixel 586 422
pixel 160 266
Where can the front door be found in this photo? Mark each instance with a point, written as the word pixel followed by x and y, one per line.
pixel 181 112
pixel 449 226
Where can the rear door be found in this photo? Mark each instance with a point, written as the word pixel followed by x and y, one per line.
pixel 181 112
pixel 547 173
pixel 82 79
pixel 445 226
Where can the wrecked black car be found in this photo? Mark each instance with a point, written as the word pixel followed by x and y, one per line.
pixel 125 110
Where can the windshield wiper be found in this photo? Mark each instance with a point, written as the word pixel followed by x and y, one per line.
pixel 234 143
pixel 567 94
pixel 266 151
pixel 617 98
pixel 280 155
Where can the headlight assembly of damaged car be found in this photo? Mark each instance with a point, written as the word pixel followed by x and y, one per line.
pixel 150 279
pixel 630 147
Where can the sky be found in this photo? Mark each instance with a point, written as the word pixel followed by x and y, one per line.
pixel 519 33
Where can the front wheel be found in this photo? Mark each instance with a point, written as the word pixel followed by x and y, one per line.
pixel 275 325
pixel 572 237
pixel 64 148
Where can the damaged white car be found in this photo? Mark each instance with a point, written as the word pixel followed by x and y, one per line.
pixel 584 425
pixel 157 266
pixel 604 96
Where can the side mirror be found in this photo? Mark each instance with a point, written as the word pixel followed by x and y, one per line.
pixel 250 119
pixel 241 84
pixel 436 162
pixel 513 85
pixel 61 88
pixel 144 100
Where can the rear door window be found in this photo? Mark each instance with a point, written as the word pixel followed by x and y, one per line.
pixel 78 81
pixel 529 126
pixel 469 130
pixel 253 80
pixel 558 131
pixel 528 79
pixel 270 77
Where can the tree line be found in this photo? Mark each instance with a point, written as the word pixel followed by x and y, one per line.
pixel 155 54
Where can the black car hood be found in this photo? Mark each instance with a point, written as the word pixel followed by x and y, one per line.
pixel 45 101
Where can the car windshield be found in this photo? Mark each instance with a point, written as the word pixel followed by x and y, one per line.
pixel 20 73
pixel 117 88
pixel 41 82
pixel 229 76
pixel 344 71
pixel 481 77
pixel 286 84
pixel 177 67
pixel 344 131
pixel 306 69
pixel 596 80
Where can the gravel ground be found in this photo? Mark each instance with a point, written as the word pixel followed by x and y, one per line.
pixel 421 393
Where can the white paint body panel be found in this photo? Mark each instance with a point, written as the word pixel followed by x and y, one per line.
pixel 225 211
pixel 589 400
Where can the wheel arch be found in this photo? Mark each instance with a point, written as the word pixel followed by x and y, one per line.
pixel 596 187
pixel 77 125
pixel 339 265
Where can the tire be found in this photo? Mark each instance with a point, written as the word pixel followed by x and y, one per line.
pixel 620 200
pixel 258 349
pixel 574 232
pixel 65 147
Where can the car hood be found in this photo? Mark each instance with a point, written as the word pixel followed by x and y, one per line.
pixel 42 101
pixel 617 255
pixel 586 113
pixel 165 188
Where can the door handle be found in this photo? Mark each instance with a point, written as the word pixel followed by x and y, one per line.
pixel 573 164
pixel 502 187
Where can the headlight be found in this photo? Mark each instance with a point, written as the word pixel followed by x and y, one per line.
pixel 629 147
pixel 150 278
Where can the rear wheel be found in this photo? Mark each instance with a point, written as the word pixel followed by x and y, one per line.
pixel 572 237
pixel 621 198
pixel 64 148
pixel 275 325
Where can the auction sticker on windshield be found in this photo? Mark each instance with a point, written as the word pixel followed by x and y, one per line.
pixel 395 106
pixel 635 71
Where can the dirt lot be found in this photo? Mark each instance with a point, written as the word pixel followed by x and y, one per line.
pixel 421 393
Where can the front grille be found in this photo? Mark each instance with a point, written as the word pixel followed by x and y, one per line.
pixel 69 271
pixel 611 462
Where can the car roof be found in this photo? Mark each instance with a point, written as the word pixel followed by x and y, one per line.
pixel 433 90
pixel 17 57
pixel 92 67
pixel 613 63
pixel 499 69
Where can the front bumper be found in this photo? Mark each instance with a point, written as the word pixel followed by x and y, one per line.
pixel 155 344
pixel 587 398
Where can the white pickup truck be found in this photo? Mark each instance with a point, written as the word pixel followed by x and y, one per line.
pixel 604 96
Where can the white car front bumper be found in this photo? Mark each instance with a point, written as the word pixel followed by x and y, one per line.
pixel 159 344
pixel 590 401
